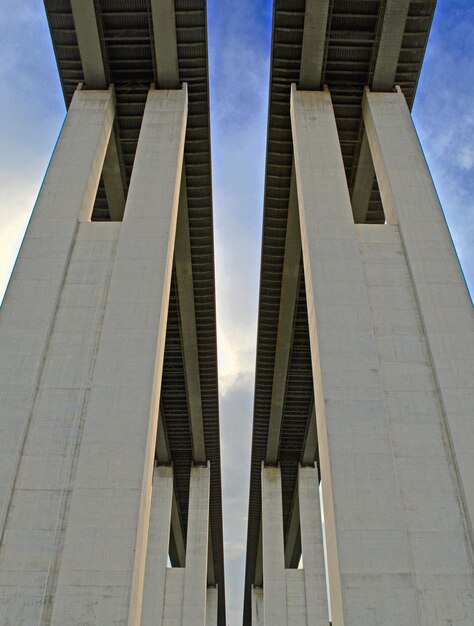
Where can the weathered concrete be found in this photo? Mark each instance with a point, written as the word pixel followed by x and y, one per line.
pixel 445 308
pixel 431 506
pixel 312 547
pixel 195 579
pixel 157 547
pixel 367 543
pixel 49 331
pixel 88 39
pixel 103 563
pixel 274 579
pixel 187 313
pixel 289 293
pixel 396 503
pixel 211 606
pixel 388 52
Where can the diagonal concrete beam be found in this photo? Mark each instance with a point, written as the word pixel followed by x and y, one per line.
pixel 163 457
pixel 314 42
pixel 308 458
pixel 388 52
pixel 187 313
pixel 289 294
pixel 88 40
pixel 166 49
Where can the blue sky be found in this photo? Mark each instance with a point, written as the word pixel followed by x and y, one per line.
pixel 32 112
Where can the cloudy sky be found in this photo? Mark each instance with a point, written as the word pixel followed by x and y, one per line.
pixel 31 113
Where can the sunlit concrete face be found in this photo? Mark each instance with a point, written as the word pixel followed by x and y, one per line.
pixel 85 516
pixel 392 344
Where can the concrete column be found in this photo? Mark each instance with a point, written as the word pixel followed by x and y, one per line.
pixel 370 574
pixel 257 607
pixel 432 512
pixel 211 606
pixel 103 564
pixel 312 547
pixel 445 309
pixel 274 579
pixel 44 369
pixel 410 200
pixel 158 546
pixel 195 577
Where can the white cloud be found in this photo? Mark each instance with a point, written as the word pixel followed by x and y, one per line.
pixel 466 157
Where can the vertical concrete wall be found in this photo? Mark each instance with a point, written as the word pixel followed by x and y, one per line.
pixel 438 546
pixel 211 606
pixel 312 547
pixel 296 598
pixel 370 573
pixel 102 569
pixel 396 500
pixel 84 537
pixel 446 312
pixel 291 596
pixel 274 579
pixel 50 325
pixel 195 579
pixel 157 547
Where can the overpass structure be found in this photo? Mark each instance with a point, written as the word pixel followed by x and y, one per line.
pixel 365 349
pixel 110 485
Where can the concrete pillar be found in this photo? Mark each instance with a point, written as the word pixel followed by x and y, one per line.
pixel 195 577
pixel 257 607
pixel 174 593
pixel 312 547
pixel 211 606
pixel 274 579
pixel 447 322
pixel 432 512
pixel 45 369
pixel 158 546
pixel 370 574
pixel 103 563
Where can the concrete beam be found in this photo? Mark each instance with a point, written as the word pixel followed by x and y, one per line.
pixel 274 579
pixel 312 546
pixel 184 280
pixel 308 458
pixel 289 293
pixel 195 573
pixel 114 479
pixel 166 49
pixel 177 531
pixel 391 38
pixel 158 545
pixel 388 52
pixel 85 22
pixel 163 457
pixel 314 42
pixel 445 307
pixel 348 387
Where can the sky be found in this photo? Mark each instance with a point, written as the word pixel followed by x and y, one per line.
pixel 32 111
